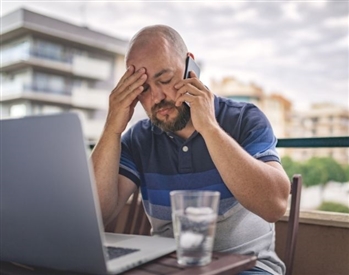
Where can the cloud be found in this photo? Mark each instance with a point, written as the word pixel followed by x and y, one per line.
pixel 291 11
pixel 337 22
pixel 246 15
pixel 297 48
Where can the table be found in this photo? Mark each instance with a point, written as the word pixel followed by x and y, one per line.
pixel 222 263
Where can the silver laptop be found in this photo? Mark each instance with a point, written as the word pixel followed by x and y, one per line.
pixel 50 213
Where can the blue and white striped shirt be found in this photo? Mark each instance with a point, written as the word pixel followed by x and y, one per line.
pixel 159 162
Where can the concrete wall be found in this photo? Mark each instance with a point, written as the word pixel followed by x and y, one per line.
pixel 322 246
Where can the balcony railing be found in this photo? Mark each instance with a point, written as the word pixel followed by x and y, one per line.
pixel 314 142
pixel 322 246
pixel 83 66
pixel 11 88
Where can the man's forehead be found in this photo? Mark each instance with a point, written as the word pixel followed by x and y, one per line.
pixel 155 64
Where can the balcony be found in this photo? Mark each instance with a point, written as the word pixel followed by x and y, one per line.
pixel 79 97
pixel 323 237
pixel 90 68
pixel 19 90
pixel 83 97
pixel 322 245
pixel 20 60
pixel 81 66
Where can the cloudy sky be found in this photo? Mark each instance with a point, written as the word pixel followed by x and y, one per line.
pixel 296 48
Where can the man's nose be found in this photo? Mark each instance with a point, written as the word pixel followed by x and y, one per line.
pixel 157 95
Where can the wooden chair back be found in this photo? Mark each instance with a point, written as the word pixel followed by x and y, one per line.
pixel 136 221
pixel 293 222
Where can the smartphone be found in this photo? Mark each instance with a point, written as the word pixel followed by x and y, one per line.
pixel 190 65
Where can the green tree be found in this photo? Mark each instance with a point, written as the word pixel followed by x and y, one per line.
pixel 346 172
pixel 322 170
pixel 291 167
pixel 316 170
pixel 336 172
pixel 333 207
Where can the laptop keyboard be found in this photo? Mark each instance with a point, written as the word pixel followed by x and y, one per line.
pixel 116 252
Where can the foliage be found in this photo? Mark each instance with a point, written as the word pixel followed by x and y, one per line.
pixel 346 171
pixel 333 207
pixel 291 167
pixel 316 170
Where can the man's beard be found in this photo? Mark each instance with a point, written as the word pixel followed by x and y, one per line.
pixel 177 123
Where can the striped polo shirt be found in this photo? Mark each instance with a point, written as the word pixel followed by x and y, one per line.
pixel 159 162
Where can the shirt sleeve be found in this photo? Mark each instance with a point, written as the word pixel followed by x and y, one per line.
pixel 257 136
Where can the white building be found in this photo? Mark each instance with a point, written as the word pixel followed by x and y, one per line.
pixel 49 66
pixel 276 107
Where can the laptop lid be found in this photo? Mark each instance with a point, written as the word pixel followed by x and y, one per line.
pixel 50 213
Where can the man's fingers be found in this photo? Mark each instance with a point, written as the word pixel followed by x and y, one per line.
pixel 131 85
pixel 129 78
pixel 126 75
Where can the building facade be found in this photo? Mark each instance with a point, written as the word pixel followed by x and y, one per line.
pixel 321 120
pixel 51 66
pixel 275 107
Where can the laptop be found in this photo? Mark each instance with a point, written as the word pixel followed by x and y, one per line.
pixel 50 214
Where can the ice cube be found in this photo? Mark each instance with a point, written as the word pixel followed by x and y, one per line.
pixel 198 210
pixel 190 239
pixel 199 214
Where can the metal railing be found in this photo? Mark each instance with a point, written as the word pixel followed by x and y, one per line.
pixel 313 142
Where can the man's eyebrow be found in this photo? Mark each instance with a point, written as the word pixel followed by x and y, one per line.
pixel 161 73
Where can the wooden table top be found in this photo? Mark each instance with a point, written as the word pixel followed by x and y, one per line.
pixel 222 263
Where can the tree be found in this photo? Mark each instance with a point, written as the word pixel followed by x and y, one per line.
pixel 346 172
pixel 291 167
pixel 333 207
pixel 328 169
pixel 317 170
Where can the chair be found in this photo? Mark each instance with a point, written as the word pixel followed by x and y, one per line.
pixel 136 220
pixel 293 222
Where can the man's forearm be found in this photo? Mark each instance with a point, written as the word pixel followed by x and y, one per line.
pixel 106 158
pixel 260 187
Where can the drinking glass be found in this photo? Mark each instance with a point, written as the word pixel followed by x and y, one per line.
pixel 194 216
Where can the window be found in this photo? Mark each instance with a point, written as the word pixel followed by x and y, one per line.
pixel 48 50
pixel 15 51
pixel 50 109
pixel 18 110
pixel 50 83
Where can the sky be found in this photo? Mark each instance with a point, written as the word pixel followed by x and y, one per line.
pixel 299 49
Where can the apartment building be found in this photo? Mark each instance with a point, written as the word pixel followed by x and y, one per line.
pixel 321 120
pixel 274 106
pixel 49 66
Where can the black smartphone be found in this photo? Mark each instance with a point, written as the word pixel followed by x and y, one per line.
pixel 190 65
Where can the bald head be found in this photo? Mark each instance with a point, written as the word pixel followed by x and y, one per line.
pixel 151 35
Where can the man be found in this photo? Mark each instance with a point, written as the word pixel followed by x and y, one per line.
pixel 213 144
